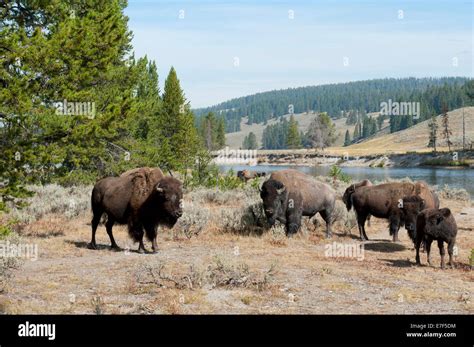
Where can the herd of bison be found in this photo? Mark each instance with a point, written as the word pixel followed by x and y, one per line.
pixel 144 198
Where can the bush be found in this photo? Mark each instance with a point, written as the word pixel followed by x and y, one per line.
pixel 337 174
pixel 206 174
pixel 454 194
pixel 53 198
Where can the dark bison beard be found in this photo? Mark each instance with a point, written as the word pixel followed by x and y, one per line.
pixel 168 220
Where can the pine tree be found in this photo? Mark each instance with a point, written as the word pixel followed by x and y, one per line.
pixel 445 124
pixel 433 133
pixel 220 137
pixel 176 125
pixel 250 141
pixel 347 139
pixel 356 134
pixel 48 56
pixel 321 131
pixel 293 139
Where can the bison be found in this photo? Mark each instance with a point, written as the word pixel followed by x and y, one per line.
pixel 246 175
pixel 351 189
pixel 383 201
pixel 426 225
pixel 141 198
pixel 289 194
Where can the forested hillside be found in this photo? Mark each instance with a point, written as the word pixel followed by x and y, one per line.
pixel 363 96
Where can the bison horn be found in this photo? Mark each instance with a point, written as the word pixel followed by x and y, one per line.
pixel 158 189
pixel 281 190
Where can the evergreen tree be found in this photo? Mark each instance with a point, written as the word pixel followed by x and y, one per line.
pixel 321 131
pixel 250 141
pixel 48 56
pixel 446 130
pixel 220 137
pixel 347 139
pixel 176 127
pixel 356 134
pixel 293 139
pixel 433 133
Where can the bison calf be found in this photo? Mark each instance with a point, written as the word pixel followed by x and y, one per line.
pixel 426 225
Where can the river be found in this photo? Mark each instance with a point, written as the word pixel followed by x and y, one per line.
pixel 455 177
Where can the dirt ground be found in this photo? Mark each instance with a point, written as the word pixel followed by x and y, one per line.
pixel 217 272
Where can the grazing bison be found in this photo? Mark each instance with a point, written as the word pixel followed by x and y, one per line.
pixel 141 198
pixel 346 197
pixel 246 175
pixel 383 201
pixel 426 225
pixel 289 194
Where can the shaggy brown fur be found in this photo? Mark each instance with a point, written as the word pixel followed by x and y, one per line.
pixel 384 201
pixel 289 194
pixel 247 175
pixel 436 224
pixel 140 198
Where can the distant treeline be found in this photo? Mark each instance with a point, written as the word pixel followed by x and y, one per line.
pixel 363 96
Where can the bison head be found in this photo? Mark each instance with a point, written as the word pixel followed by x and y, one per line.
pixel 169 195
pixel 273 194
pixel 346 198
pixel 440 216
pixel 410 207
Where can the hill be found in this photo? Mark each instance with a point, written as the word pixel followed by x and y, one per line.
pixel 234 139
pixel 364 96
pixel 416 137
pixel 411 139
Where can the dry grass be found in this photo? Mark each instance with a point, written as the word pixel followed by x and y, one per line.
pixel 236 271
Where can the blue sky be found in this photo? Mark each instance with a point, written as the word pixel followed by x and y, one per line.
pixel 274 51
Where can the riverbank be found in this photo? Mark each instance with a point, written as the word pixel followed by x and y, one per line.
pixel 460 159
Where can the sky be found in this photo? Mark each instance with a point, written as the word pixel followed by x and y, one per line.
pixel 227 49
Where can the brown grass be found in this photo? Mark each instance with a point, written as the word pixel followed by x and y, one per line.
pixel 221 272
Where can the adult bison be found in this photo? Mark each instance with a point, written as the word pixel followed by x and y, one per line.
pixel 351 189
pixel 426 225
pixel 141 198
pixel 384 201
pixel 289 194
pixel 246 175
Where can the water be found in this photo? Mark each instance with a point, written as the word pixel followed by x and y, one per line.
pixel 454 178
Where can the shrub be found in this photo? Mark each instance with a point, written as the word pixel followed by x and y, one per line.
pixel 454 194
pixel 337 174
pixel 53 198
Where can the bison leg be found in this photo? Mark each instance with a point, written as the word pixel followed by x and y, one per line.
pixel 95 222
pixel 150 231
pixel 368 220
pixel 139 237
pixel 428 250
pixel 394 227
pixel 108 226
pixel 418 243
pixel 154 246
pixel 328 219
pixel 442 252
pixel 361 218
pixel 293 223
pixel 450 252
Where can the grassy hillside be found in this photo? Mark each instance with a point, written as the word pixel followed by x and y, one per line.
pixel 412 139
pixel 234 140
pixel 415 138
